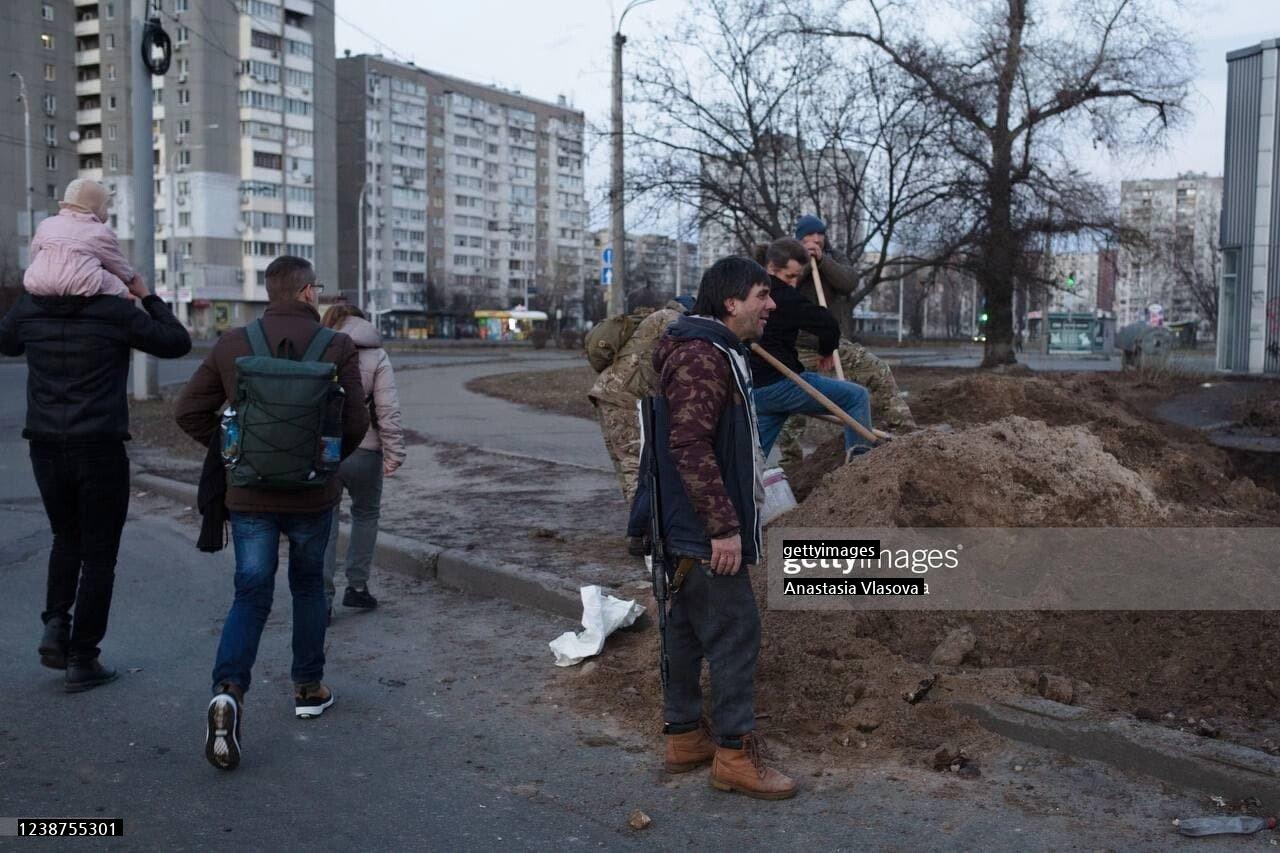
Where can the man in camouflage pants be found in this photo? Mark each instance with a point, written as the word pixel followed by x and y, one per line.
pixel 618 390
pixel 839 279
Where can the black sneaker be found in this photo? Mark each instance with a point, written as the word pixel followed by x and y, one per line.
pixel 311 700
pixel 359 598
pixel 53 645
pixel 222 739
pixel 86 674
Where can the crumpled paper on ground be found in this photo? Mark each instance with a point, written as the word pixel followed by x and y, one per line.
pixel 601 615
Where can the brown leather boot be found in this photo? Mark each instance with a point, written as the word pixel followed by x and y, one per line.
pixel 743 770
pixel 689 750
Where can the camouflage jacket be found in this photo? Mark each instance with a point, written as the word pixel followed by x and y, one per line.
pixel 632 375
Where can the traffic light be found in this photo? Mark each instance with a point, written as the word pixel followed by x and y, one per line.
pixel 982 318
pixel 1071 280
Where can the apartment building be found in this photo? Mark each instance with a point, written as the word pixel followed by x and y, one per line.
pixel 485 182
pixel 658 266
pixel 38 40
pixel 243 136
pixel 1178 217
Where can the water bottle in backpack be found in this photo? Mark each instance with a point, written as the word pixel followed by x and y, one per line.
pixel 230 436
pixel 331 431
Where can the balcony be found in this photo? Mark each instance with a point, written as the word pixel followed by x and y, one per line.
pixel 88 57
pixel 90 27
pixel 93 116
pixel 89 87
pixel 89 146
pixel 302 7
pixel 80 3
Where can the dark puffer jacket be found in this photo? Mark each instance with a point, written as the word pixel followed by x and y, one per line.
pixel 77 350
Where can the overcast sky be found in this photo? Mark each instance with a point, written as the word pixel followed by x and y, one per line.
pixel 547 48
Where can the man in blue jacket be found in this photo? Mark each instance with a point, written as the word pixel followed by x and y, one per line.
pixel 77 350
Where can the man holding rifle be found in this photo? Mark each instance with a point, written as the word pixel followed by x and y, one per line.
pixel 701 443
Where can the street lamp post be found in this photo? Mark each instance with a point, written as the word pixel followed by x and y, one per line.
pixel 26 128
pixel 617 228
pixel 364 188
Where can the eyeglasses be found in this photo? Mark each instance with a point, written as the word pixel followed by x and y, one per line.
pixel 316 286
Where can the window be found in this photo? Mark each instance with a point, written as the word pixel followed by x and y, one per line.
pixel 301 138
pixel 114 161
pixel 184 219
pixel 183 66
pixel 266 41
pixel 180 5
pixel 46 11
pixel 184 158
pixel 51 190
pixel 267 160
pixel 301 223
pixel 111 71
pixel 299 48
pixel 111 102
pixel 46 41
pixel 184 126
pixel 50 72
pixel 50 134
pixel 260 100
pixel 110 11
pixel 264 71
pixel 50 104
pixel 303 194
pixel 293 106
pixel 51 162
pixel 184 187
pixel 111 41
pixel 184 96
pixel 304 79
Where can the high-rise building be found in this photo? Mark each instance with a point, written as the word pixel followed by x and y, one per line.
pixel 37 44
pixel 245 162
pixel 659 267
pixel 1249 293
pixel 1177 265
pixel 486 183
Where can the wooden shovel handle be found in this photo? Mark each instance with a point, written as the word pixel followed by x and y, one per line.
pixel 822 300
pixel 823 399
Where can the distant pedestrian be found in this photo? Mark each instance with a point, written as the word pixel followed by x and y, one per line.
pixel 361 473
pixel 77 350
pixel 294 500
pixel 75 253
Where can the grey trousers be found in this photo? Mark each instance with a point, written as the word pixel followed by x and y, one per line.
pixel 713 617
pixel 361 475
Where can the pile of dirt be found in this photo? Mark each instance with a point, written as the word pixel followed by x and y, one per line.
pixel 1193 481
pixel 563 390
pixel 1011 473
pixel 1262 415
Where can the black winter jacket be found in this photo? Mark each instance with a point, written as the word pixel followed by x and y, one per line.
pixel 77 350
pixel 794 314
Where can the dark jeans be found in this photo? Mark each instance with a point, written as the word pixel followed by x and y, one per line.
pixel 257 542
pixel 85 489
pixel 714 617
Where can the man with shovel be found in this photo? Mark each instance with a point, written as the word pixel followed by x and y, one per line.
pixel 835 276
pixel 701 434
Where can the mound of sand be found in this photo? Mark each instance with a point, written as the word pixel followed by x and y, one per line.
pixel 1011 473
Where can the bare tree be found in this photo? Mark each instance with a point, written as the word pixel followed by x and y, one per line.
pixel 754 124
pixel 1017 89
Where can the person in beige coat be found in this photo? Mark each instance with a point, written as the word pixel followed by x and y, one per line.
pixel 379 455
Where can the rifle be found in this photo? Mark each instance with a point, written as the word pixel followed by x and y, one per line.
pixel 657 549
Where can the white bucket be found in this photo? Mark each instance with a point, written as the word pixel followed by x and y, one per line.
pixel 777 495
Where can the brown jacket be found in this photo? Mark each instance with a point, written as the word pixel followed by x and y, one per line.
pixel 214 383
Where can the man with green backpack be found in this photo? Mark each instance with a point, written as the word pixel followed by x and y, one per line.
pixel 294 408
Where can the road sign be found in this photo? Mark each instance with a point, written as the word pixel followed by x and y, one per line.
pixel 607 256
pixel 606 276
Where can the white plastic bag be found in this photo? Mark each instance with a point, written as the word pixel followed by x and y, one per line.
pixel 601 615
pixel 777 495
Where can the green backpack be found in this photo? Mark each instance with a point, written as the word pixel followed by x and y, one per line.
pixel 606 338
pixel 281 407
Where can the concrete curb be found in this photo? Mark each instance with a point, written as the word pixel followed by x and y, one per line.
pixel 1177 758
pixel 451 567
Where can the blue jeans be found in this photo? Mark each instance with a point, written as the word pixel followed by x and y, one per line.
pixel 257 542
pixel 778 401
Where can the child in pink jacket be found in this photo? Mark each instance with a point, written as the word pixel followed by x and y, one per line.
pixel 75 253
